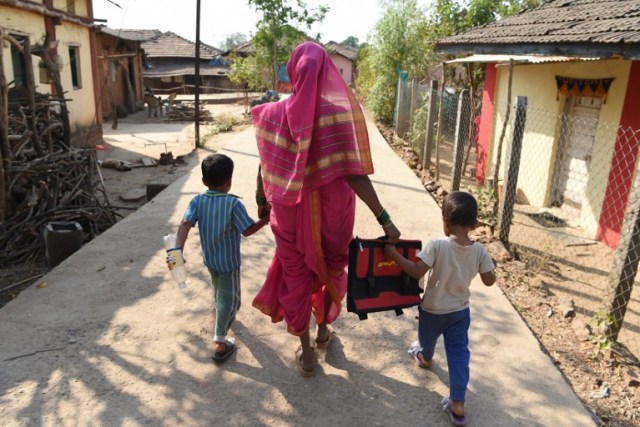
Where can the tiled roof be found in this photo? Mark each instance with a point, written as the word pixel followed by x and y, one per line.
pixel 595 22
pixel 183 68
pixel 134 35
pixel 342 50
pixel 171 45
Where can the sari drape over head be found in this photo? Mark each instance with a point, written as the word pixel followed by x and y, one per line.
pixel 308 144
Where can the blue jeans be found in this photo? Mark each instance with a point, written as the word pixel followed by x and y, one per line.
pixel 455 327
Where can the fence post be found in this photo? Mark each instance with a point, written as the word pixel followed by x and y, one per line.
pixel 462 130
pixel 412 108
pixel 396 115
pixel 625 264
pixel 431 120
pixel 511 177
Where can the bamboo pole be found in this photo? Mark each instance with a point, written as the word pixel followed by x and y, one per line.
pixel 496 171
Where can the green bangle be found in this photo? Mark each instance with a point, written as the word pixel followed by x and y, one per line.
pixel 384 217
pixel 261 200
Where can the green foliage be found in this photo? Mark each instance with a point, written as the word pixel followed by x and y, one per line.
pixel 486 197
pixel 403 40
pixel 399 42
pixel 246 71
pixel 233 41
pixel 601 323
pixel 277 31
pixel 351 42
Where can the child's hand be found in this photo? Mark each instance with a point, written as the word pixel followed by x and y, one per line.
pixel 389 249
pixel 171 261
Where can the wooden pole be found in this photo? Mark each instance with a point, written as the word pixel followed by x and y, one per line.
pixel 197 89
pixel 440 121
pixel 31 97
pixel 5 150
pixel 496 170
pixel 513 169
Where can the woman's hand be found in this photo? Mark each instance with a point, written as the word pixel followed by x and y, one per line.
pixel 392 233
pixel 264 211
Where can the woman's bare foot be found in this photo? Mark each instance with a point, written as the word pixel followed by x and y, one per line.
pixel 324 335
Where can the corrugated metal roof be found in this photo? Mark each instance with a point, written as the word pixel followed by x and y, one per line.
pixel 134 35
pixel 531 59
pixel 171 45
pixel 560 21
pixel 183 68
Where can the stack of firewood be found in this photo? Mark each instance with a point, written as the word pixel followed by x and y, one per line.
pixel 60 186
pixel 45 180
pixel 187 113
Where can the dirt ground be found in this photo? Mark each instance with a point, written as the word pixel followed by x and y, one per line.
pixel 607 382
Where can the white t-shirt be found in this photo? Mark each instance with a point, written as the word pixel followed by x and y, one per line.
pixel 452 268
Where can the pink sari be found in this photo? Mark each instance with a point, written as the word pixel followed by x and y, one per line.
pixel 308 145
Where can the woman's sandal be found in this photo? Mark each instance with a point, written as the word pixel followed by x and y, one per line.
pixel 324 344
pixel 305 373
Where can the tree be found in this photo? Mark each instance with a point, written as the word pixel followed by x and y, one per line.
pixel 351 42
pixel 400 41
pixel 277 31
pixel 234 40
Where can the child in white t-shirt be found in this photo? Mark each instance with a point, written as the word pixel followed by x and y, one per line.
pixel 452 262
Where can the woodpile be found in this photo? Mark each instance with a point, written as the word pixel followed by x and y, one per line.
pixel 42 178
pixel 60 186
pixel 186 112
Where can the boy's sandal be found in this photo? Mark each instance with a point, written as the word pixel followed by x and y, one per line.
pixel 456 420
pixel 229 349
pixel 303 372
pixel 416 355
pixel 324 344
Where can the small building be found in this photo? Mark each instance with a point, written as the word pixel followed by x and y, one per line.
pixel 578 64
pixel 121 60
pixel 170 66
pixel 68 25
pixel 344 57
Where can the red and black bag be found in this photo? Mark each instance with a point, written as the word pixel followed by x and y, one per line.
pixel 376 283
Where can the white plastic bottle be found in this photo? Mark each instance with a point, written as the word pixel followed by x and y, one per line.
pixel 177 268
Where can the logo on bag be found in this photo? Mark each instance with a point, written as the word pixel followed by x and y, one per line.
pixel 386 263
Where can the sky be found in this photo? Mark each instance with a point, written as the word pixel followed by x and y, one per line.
pixel 221 18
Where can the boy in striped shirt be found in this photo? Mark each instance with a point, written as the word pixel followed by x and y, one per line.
pixel 221 218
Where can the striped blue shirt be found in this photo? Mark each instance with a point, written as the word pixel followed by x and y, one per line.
pixel 221 219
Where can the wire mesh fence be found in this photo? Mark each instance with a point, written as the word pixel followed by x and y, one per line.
pixel 563 190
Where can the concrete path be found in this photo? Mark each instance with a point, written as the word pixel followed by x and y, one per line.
pixel 109 339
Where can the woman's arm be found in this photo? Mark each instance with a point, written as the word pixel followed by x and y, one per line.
pixel 362 186
pixel 263 206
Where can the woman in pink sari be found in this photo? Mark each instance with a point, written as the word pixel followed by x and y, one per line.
pixel 314 159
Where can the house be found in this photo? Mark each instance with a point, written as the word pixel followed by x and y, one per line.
pixel 69 29
pixel 121 61
pixel 578 64
pixel 344 57
pixel 170 66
